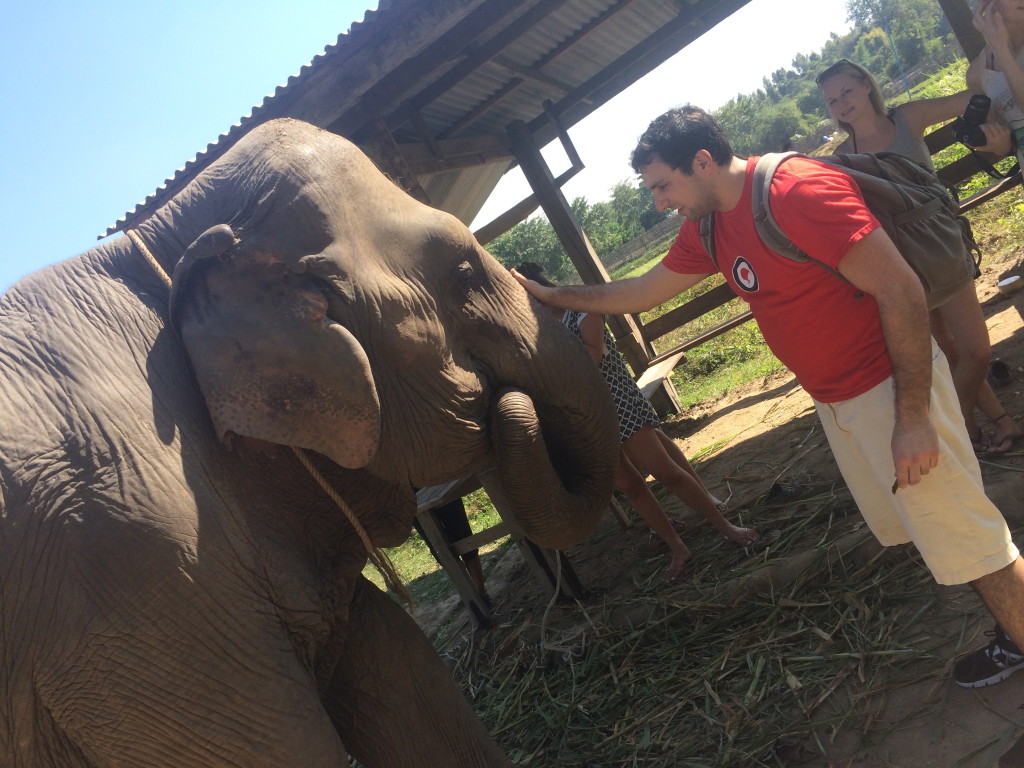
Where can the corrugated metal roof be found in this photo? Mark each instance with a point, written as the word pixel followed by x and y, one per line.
pixel 428 87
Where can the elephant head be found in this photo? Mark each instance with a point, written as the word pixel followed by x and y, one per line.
pixel 327 309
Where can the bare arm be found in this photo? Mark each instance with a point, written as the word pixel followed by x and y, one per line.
pixel 876 267
pixel 592 336
pixel 989 22
pixel 924 113
pixel 619 297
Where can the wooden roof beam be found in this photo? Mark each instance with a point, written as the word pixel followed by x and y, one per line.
pixel 484 107
pixel 487 50
pixel 440 156
pixel 518 213
pixel 632 65
pixel 591 26
pixel 532 73
pixel 392 87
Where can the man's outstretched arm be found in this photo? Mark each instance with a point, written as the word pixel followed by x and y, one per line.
pixel 619 297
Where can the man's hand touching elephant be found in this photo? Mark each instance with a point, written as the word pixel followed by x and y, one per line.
pixel 540 292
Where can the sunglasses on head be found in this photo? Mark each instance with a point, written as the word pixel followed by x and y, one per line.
pixel 833 69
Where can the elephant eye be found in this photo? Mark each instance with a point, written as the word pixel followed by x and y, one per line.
pixel 464 275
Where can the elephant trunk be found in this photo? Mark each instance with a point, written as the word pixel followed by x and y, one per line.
pixel 556 469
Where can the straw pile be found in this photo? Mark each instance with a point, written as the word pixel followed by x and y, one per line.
pixel 754 661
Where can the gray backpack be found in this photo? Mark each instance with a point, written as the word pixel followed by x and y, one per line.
pixel 914 207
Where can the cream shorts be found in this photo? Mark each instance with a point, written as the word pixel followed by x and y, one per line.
pixel 961 535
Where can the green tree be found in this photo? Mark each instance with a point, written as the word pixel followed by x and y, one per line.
pixel 634 209
pixel 773 128
pixel 600 224
pixel 910 24
pixel 532 240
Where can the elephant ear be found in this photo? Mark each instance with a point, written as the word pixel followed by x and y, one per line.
pixel 270 363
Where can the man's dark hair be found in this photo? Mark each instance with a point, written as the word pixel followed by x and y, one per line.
pixel 677 136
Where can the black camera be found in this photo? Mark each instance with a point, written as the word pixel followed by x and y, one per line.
pixel 967 127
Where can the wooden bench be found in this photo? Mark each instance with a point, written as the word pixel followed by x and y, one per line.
pixel 543 564
pixel 660 367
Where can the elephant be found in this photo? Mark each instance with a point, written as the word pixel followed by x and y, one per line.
pixel 176 587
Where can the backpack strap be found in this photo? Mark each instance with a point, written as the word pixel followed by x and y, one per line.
pixel 707 236
pixel 770 233
pixel 768 228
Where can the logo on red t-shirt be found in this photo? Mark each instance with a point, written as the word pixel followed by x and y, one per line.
pixel 744 275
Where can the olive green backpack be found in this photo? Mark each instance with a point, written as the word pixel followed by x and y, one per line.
pixel 914 207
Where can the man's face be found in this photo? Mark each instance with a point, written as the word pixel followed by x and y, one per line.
pixel 691 194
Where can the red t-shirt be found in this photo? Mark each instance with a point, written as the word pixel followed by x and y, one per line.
pixel 826 332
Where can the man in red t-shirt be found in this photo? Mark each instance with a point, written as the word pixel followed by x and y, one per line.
pixel 862 350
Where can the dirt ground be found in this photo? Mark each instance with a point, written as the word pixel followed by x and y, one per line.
pixel 766 432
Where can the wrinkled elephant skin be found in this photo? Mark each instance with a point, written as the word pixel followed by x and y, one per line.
pixel 175 589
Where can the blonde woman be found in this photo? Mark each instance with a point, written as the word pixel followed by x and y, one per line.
pixel 855 103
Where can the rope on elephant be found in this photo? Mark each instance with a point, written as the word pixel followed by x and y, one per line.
pixel 137 242
pixel 378 557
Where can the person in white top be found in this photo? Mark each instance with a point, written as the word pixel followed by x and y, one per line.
pixel 998 71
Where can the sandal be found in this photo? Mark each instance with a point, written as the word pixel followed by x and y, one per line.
pixel 763 541
pixel 999 374
pixel 782 494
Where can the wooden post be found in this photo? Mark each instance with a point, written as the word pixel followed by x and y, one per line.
pixel 959 14
pixel 449 553
pixel 396 167
pixel 634 347
pixel 455 569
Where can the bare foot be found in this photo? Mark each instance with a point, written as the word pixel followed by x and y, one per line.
pixel 1007 433
pixel 679 561
pixel 742 536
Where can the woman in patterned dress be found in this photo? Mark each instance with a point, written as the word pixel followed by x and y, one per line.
pixel 646 450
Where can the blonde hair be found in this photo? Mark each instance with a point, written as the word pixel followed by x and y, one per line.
pixel 861 75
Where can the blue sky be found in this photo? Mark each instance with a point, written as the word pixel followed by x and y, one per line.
pixel 106 99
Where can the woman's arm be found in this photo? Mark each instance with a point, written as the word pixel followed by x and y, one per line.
pixel 997 133
pixel 990 22
pixel 974 72
pixel 592 335
pixel 924 113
